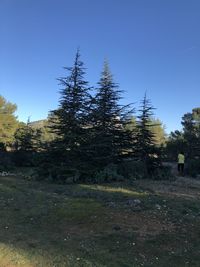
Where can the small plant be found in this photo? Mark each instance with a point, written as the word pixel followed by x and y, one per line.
pixel 108 174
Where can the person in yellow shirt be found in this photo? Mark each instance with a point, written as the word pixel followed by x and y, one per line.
pixel 181 162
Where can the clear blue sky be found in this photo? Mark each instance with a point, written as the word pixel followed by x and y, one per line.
pixel 151 45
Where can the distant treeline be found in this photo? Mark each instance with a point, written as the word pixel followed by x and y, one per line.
pixel 92 137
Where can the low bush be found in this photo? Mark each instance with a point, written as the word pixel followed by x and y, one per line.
pixel 23 158
pixel 6 161
pixel 163 173
pixel 133 170
pixel 108 174
pixel 192 167
pixel 128 170
pixel 56 173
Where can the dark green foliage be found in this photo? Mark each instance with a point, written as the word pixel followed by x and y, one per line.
pixel 91 132
pixel 163 173
pixel 70 121
pixel 193 167
pixel 175 144
pixel 110 139
pixel 146 151
pixel 27 146
pixel 27 138
pixel 23 158
pixel 187 140
pixel 56 174
pixel 6 161
pixel 158 130
pixel 45 136
pixel 133 170
pixel 109 174
pixel 191 133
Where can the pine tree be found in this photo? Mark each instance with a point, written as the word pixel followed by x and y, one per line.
pixel 147 152
pixel 70 120
pixel 110 140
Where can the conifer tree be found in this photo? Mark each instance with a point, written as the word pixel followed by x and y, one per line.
pixel 191 133
pixel 147 151
pixel 111 141
pixel 27 138
pixel 70 120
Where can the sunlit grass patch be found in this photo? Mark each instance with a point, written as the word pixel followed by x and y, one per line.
pixel 11 257
pixel 109 189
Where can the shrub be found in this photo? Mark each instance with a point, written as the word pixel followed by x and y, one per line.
pixel 133 170
pixel 56 173
pixel 193 167
pixel 23 158
pixel 6 161
pixel 163 173
pixel 108 174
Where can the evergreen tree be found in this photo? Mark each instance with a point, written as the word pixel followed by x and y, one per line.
pixel 8 122
pixel 157 128
pixel 191 133
pixel 27 145
pixel 175 144
pixel 42 131
pixel 187 140
pixel 158 131
pixel 111 141
pixel 27 138
pixel 196 116
pixel 147 152
pixel 69 122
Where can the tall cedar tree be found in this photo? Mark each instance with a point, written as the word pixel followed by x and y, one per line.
pixel 147 151
pixel 111 141
pixel 70 120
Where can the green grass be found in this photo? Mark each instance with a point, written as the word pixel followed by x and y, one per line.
pixel 52 225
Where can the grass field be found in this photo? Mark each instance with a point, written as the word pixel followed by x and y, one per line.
pixel 148 223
